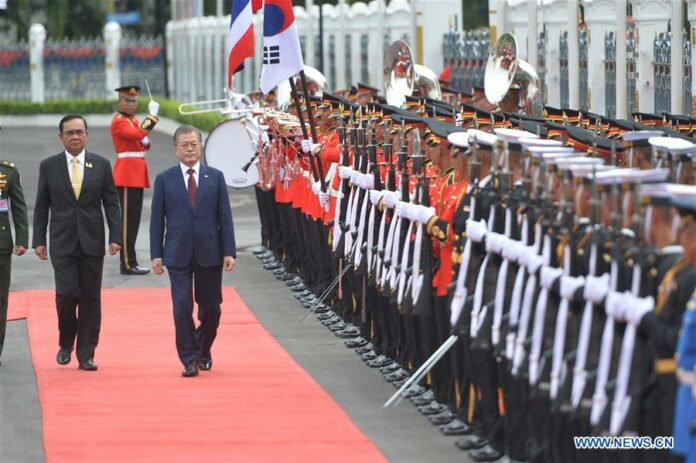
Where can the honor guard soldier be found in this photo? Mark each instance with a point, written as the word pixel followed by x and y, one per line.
pixel 11 198
pixel 131 141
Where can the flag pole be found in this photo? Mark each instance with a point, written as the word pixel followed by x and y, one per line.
pixel 312 126
pixel 300 114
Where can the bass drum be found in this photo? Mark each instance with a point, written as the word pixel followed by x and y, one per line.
pixel 228 148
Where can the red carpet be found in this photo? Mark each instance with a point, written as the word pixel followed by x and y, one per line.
pixel 256 405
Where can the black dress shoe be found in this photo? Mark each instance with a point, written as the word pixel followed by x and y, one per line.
pixel 442 418
pixel 350 332
pixel 390 368
pixel 63 357
pixel 326 315
pixel 399 384
pixel 88 365
pixel 294 281
pixel 259 250
pixel 379 362
pixel 413 391
pixel 300 287
pixel 332 321
pixel 398 375
pixel 321 309
pixel 365 349
pixel 272 266
pixel 486 453
pixel 433 408
pixel 279 271
pixel 137 270
pixel 355 342
pixel 456 427
pixel 206 364
pixel 190 370
pixel 287 276
pixel 424 399
pixel 470 442
pixel 338 326
pixel 368 356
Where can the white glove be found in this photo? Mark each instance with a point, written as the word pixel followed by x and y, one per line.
pixel 323 198
pixel 153 108
pixel 511 250
pixel 495 242
pixel 548 276
pixel 354 177
pixel 145 141
pixel 596 288
pixel 305 174
pixel 307 145
pixel 476 230
pixel 391 198
pixel 424 214
pixel 638 308
pixel 401 208
pixel 569 285
pixel 530 259
pixel 344 172
pixel 375 196
pixel 316 188
pixel 368 182
pixel 616 304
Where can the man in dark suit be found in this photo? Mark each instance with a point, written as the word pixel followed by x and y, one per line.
pixel 74 185
pixel 191 233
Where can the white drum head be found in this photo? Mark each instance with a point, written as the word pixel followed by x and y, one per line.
pixel 228 149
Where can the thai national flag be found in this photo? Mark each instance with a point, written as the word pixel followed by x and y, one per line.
pixel 241 39
pixel 282 55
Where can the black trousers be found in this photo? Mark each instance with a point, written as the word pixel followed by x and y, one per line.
pixel 78 301
pixel 204 285
pixel 5 271
pixel 131 200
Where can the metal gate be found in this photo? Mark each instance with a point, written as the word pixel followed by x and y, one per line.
pixel 631 69
pixel 583 49
pixel 15 83
pixel 142 58
pixel 610 74
pixel 541 64
pixel 661 71
pixel 687 74
pixel 563 56
pixel 74 69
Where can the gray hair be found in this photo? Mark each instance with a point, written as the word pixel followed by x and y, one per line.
pixel 184 129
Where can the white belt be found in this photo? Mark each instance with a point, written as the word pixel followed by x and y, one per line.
pixel 131 154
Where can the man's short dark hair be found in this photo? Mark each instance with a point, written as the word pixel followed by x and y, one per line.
pixel 184 129
pixel 69 118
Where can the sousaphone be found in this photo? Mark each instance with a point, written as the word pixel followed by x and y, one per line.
pixel 402 77
pixel 504 69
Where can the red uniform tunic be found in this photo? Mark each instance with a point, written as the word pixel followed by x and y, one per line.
pixel 130 168
pixel 440 227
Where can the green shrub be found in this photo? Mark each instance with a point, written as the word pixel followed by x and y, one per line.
pixel 168 108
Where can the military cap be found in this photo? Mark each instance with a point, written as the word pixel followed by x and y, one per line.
pixel 649 119
pixel 527 142
pixel 656 194
pixel 530 126
pixel 364 88
pixel 593 120
pixel 440 130
pixel 128 90
pixel 513 135
pixel 481 138
pixel 555 129
pixel 639 138
pixel 684 199
pixel 459 139
pixel 540 151
pixel 673 146
pixel 680 123
pixel 584 140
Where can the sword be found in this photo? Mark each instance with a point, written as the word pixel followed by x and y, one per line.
pixel 148 89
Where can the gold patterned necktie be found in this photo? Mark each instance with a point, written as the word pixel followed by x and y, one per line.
pixel 76 176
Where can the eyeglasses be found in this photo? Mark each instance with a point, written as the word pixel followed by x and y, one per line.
pixel 186 146
pixel 71 133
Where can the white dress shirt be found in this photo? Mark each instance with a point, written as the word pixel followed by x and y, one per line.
pixel 80 163
pixel 184 170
